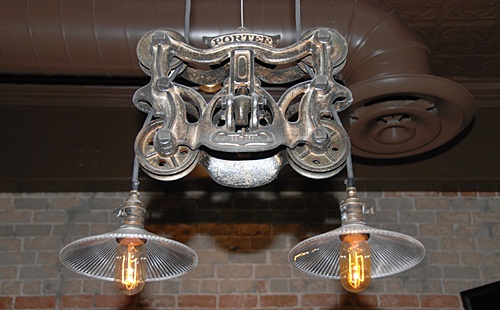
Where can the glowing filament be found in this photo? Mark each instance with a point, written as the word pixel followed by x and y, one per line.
pixel 355 263
pixel 357 275
pixel 130 266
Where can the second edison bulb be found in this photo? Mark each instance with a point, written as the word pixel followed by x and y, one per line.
pixel 130 266
pixel 355 262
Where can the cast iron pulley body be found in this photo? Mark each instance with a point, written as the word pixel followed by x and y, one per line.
pixel 242 135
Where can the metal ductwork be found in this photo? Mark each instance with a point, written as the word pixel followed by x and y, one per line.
pixel 400 109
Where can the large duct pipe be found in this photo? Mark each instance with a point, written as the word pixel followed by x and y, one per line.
pixel 400 109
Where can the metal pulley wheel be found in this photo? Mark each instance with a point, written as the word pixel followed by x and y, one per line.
pixel 165 168
pixel 311 163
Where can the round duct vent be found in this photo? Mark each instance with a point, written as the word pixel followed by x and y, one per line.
pixel 406 115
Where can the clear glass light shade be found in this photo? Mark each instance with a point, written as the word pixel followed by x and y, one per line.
pixel 95 256
pixel 391 252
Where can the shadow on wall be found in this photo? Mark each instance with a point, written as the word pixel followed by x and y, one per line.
pixel 241 221
pixel 348 301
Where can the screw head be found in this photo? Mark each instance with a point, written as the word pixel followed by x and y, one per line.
pixel 323 35
pixel 163 84
pixel 321 82
pixel 159 37
pixel 320 135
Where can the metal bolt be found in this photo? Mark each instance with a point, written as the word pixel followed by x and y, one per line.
pixel 159 37
pixel 321 82
pixel 163 84
pixel 320 135
pixel 323 35
pixel 164 137
pixel 164 142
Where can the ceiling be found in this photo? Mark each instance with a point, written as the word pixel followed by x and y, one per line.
pixel 463 36
pixel 68 129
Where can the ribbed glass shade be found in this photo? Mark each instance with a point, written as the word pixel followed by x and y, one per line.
pixel 391 252
pixel 95 256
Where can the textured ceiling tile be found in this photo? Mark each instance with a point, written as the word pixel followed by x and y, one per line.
pixel 415 10
pixel 463 38
pixel 455 66
pixel 466 66
pixel 466 10
pixel 492 44
pixel 487 66
pixel 462 35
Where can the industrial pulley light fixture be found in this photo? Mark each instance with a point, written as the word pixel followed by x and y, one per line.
pixel 243 137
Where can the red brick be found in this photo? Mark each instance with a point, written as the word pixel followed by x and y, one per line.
pixel 42 243
pixel 421 194
pixel 449 194
pixel 183 232
pixel 196 301
pixel 393 194
pixel 319 300
pixel 487 194
pixel 238 301
pixel 261 286
pixel 238 286
pixel 157 301
pixel 468 194
pixel 439 301
pixel 427 203
pixel 210 256
pixel 235 271
pixel 6 302
pixel 285 229
pixel 273 271
pixel 252 230
pixel 114 301
pixel 235 244
pixel 8 272
pixel 35 302
pixel 215 229
pixel 358 301
pixel 77 301
pixel 278 300
pixel 398 301
pixel 260 243
pixel 178 230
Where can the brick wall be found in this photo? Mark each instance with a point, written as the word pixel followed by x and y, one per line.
pixel 242 239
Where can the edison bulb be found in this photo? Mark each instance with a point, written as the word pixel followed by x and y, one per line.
pixel 355 263
pixel 130 266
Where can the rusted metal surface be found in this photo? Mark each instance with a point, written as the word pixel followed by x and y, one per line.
pixel 243 118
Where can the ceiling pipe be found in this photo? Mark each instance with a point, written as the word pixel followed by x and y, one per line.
pixel 400 109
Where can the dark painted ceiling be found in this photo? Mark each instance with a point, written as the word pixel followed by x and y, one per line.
pixel 75 133
pixel 463 36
